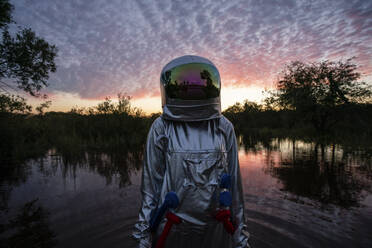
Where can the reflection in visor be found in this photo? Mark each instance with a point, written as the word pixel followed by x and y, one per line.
pixel 194 81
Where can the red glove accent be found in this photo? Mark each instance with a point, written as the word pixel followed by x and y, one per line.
pixel 223 215
pixel 172 219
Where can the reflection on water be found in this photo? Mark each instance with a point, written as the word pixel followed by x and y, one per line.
pixel 296 195
pixel 302 195
pixel 325 174
pixel 29 228
pixel 110 166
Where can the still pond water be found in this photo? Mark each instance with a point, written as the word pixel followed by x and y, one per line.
pixel 296 195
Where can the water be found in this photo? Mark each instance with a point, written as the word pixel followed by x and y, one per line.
pixel 296 195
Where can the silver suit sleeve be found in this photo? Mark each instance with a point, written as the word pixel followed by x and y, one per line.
pixel 152 178
pixel 241 235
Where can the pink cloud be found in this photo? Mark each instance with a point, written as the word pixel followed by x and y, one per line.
pixel 121 46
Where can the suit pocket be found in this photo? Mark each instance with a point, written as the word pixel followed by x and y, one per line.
pixel 202 173
pixel 201 182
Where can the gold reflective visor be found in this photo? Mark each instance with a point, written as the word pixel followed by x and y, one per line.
pixel 194 81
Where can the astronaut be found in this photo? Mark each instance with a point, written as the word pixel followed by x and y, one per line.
pixel 191 148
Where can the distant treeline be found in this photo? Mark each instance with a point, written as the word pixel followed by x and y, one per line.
pixel 26 135
pixel 347 124
pixel 109 127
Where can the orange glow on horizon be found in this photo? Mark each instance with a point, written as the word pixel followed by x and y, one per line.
pixel 62 101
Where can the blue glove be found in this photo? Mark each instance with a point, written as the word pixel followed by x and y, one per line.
pixel 170 201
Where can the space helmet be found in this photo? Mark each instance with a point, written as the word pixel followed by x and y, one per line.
pixel 190 88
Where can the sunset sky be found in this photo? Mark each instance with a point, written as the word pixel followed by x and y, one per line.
pixel 107 47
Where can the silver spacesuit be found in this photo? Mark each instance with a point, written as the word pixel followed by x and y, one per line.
pixel 188 148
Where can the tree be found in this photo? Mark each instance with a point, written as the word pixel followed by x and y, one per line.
pixel 25 59
pixel 5 13
pixel 123 106
pixel 41 108
pixel 316 91
pixel 14 104
pixel 106 107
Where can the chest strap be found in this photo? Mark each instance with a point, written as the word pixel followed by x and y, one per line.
pixel 171 219
pixel 224 216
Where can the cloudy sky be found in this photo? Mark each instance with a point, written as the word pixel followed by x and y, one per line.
pixel 107 47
